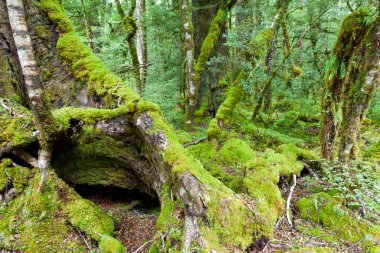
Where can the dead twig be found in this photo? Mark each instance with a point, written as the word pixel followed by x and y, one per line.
pixel 310 170
pixel 195 142
pixel 142 246
pixel 84 239
pixel 289 199
pixel 116 94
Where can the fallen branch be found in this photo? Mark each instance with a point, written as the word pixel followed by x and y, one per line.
pixel 195 142
pixel 289 199
pixel 24 155
pixel 84 239
pixel 310 170
pixel 274 229
pixel 142 246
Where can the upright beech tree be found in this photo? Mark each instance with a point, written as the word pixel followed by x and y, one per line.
pixel 351 82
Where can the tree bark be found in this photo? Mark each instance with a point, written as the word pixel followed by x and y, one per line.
pixel 141 40
pixel 207 49
pixel 189 52
pixel 334 89
pixel 359 86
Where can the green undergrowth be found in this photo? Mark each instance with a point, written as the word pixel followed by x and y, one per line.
pixel 328 211
pixel 237 165
pixel 310 250
pixel 45 221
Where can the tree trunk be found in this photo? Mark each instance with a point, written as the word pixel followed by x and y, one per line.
pixel 360 85
pixel 141 40
pixel 189 51
pixel 279 21
pixel 131 29
pixel 348 40
pixel 87 25
pixel 43 118
pixel 206 51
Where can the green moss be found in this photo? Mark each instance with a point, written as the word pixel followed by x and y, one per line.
pixel 300 152
pixel 56 14
pixel 108 244
pixel 86 66
pixel 318 232
pixel 288 120
pixel 265 137
pixel 236 151
pixel 154 248
pixel 328 211
pixel 201 111
pixel 209 41
pixel 7 84
pixel 310 250
pixel 42 32
pixel 17 176
pixel 32 222
pixel 16 130
pixel 234 96
pixel 297 71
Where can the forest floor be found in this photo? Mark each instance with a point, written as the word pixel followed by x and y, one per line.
pixel 288 238
pixel 134 215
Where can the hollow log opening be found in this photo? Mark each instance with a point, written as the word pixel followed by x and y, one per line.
pixel 134 213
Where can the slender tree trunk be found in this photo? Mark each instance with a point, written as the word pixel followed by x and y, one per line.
pixel 103 17
pixel 141 40
pixel 282 7
pixel 269 62
pixel 189 51
pixel 42 115
pixel 87 26
pixel 131 28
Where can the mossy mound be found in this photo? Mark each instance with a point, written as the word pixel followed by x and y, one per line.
pixel 236 151
pixel 328 211
pixel 262 176
pixel 45 221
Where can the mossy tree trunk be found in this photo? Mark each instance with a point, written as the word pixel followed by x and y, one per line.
pixel 207 49
pixel 130 27
pixel 278 22
pixel 360 83
pixel 124 140
pixel 236 91
pixel 340 80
